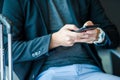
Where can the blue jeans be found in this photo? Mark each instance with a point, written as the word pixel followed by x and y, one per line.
pixel 75 72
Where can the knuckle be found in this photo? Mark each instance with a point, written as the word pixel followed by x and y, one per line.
pixel 70 43
pixel 68 39
pixel 94 38
pixel 77 37
pixel 72 25
pixel 66 25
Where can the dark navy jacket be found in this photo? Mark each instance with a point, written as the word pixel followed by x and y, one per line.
pixel 31 39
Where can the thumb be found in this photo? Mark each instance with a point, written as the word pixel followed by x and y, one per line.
pixel 88 23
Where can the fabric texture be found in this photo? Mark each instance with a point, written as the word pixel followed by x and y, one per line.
pixel 76 72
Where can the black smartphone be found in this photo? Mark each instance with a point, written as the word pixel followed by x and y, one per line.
pixel 91 27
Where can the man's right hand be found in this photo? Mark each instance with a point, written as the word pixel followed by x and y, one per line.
pixel 67 37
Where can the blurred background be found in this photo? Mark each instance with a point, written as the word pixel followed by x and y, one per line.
pixel 112 9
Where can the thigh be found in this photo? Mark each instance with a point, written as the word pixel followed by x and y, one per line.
pixel 47 75
pixel 98 76
pixel 51 75
pixel 79 72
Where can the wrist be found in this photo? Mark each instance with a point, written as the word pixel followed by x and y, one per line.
pixel 54 42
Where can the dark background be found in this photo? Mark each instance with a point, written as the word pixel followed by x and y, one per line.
pixel 112 9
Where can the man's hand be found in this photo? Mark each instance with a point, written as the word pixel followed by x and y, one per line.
pixel 67 37
pixel 92 34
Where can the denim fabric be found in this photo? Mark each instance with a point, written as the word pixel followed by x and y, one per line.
pixel 76 72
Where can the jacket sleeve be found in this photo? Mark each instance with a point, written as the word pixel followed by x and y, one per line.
pixel 23 49
pixel 98 16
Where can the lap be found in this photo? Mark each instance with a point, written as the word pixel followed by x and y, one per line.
pixel 76 72
pixel 98 76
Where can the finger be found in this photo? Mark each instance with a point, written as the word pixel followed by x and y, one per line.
pixel 91 42
pixel 94 34
pixel 84 40
pixel 79 35
pixel 91 31
pixel 71 27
